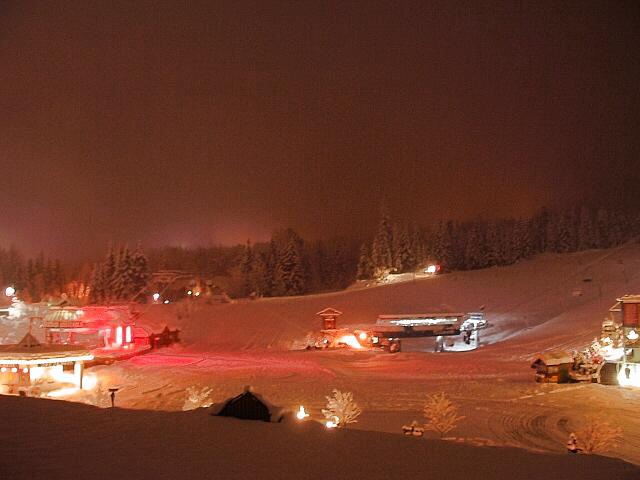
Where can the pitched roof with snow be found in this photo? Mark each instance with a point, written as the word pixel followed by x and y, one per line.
pixel 552 358
pixel 329 311
pixel 30 349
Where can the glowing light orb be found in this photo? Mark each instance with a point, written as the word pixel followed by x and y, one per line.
pixel 301 414
pixel 362 336
pixel 9 291
pixel 166 301
pixel 431 269
pixel 156 297
pixel 189 292
pixel 629 375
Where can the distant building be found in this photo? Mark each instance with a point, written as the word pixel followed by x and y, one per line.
pixel 22 365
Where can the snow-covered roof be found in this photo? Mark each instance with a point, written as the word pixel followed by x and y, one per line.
pixel 629 299
pixel 329 311
pixel 552 358
pixel 276 413
pixel 29 349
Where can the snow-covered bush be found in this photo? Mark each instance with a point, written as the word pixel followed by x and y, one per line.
pixel 441 414
pixel 197 398
pixel 597 435
pixel 341 409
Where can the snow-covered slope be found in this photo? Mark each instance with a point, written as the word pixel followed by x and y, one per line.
pixel 552 300
pixel 49 439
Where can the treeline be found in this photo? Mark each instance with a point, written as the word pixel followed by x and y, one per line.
pixel 481 244
pixel 122 276
pixel 288 265
pixel 35 278
pixel 285 265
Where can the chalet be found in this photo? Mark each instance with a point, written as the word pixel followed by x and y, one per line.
pixel 553 367
pixel 24 364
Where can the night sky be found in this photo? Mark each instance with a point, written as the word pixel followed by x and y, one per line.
pixel 192 123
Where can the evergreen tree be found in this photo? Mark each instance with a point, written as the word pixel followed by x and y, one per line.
pixel 246 269
pixel 365 266
pixel 97 287
pixel 444 246
pixel 602 229
pixel 141 271
pixel 418 248
pixel 290 275
pixel 381 249
pixel 586 231
pixel 523 247
pixel 474 256
pixel 565 236
pixel 403 259
pixel 493 246
pixel 108 271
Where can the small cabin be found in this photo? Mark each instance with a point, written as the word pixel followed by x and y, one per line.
pixel 248 406
pixel 329 318
pixel 552 367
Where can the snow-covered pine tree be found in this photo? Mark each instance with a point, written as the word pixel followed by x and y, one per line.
pixel 602 229
pixel 97 292
pixel 341 409
pixel 141 273
pixel 246 269
pixel 474 254
pixel 565 238
pixel 551 232
pixel 444 246
pixel 493 245
pixel 290 274
pixel 365 266
pixel 123 279
pixel 270 260
pixel 108 271
pixel 522 244
pixel 403 259
pixel 381 248
pixel 586 231
pixel 418 247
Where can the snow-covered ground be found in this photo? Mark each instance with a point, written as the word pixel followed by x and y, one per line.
pixel 551 302
pixel 52 439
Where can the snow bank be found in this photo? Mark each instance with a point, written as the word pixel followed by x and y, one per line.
pixel 79 441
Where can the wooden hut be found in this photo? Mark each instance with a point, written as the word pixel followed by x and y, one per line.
pixel 249 406
pixel 552 367
pixel 329 318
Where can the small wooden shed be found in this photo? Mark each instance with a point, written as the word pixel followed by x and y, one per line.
pixel 249 406
pixel 552 367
